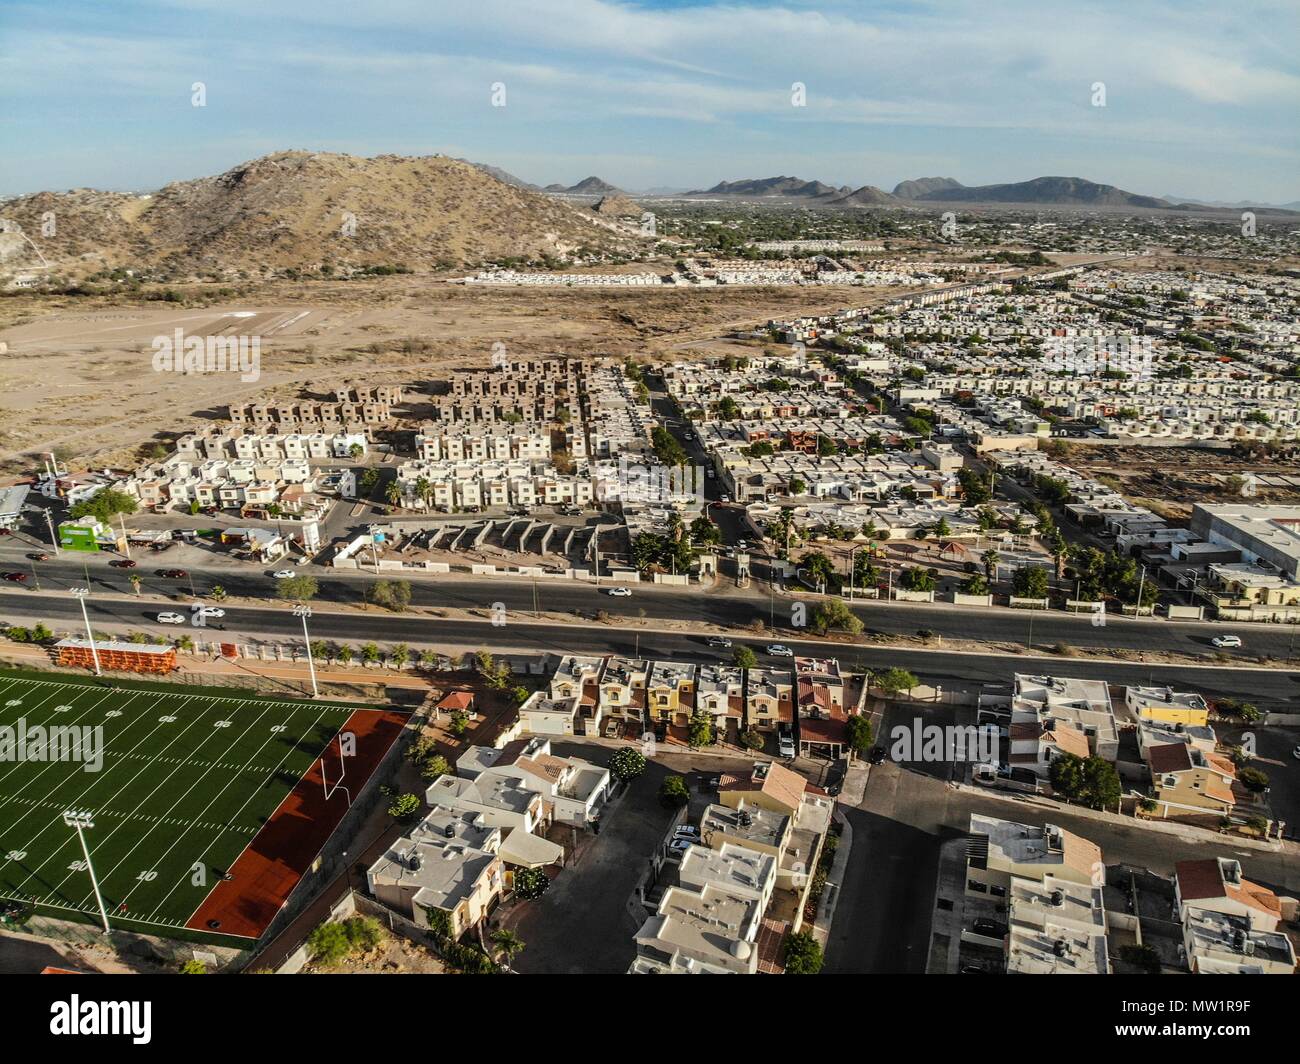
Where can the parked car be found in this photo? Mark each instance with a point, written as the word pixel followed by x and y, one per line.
pixel 686 831
pixel 991 928
pixel 724 498
pixel 719 641
pixel 122 563
pixel 1224 641
pixel 876 755
pixel 1296 753
pixel 680 845
pixel 170 618
pixel 972 969
pixel 173 574
pixel 619 592
pixel 284 574
pixel 17 578
pixel 785 746
pixel 779 650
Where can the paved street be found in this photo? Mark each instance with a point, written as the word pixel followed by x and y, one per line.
pixel 883 916
pixel 721 606
pixel 1270 688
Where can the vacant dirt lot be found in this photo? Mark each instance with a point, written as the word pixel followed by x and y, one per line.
pixel 78 373
pixel 1176 477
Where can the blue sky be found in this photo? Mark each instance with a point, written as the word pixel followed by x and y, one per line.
pixel 1201 98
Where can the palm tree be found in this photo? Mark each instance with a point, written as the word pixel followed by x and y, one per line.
pixel 423 488
pixel 218 593
pixel 136 581
pixel 507 943
pixel 393 493
pixel 990 558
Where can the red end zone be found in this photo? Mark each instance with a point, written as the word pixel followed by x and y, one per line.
pixel 283 850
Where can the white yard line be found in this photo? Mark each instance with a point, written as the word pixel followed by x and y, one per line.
pixel 159 859
pixel 106 803
pixel 104 877
pixel 234 816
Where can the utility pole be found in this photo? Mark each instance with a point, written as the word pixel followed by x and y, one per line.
pixel 80 594
pixel 54 540
pixel 80 820
pixel 304 612
pixel 1141 586
pixel 126 544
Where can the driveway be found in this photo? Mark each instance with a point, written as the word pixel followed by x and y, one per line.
pixel 582 924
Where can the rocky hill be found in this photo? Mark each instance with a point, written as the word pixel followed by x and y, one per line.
pixel 1053 191
pixel 305 209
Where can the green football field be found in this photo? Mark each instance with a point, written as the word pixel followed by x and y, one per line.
pixel 187 779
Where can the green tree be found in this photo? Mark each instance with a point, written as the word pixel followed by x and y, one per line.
pixel 404 807
pixel 673 793
pixel 699 731
pixel 507 943
pixel 744 657
pixel 300 588
pixel 392 595
pixel 859 733
pixel 834 614
pixel 627 764
pixel 530 883
pixel 434 766
pixel 894 680
pixel 819 568
pixel 990 558
pixel 976 584
pixel 1030 581
pixel 104 505
pixel 916 579
pixel 1090 781
pixel 803 954
pixel 194 967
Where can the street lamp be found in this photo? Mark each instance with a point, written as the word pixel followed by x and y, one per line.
pixel 304 612
pixel 80 820
pixel 80 593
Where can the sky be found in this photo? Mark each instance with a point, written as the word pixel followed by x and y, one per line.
pixel 1201 99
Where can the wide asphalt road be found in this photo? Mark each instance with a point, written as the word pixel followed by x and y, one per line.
pixel 1270 688
pixel 726 607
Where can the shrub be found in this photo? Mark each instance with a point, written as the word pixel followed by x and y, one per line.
pixel 803 954
pixel 530 884
pixel 673 793
pixel 626 764
pixel 404 806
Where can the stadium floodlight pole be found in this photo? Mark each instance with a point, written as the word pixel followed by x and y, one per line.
pixel 80 593
pixel 304 612
pixel 80 820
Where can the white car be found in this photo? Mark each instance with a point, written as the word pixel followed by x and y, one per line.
pixel 1223 641
pixel 777 650
pixel 686 831
pixel 170 618
pixel 207 611
pixel 785 744
pixel 680 845
pixel 719 641
pixel 620 592
pixel 724 498
pixel 284 574
pixel 1296 753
